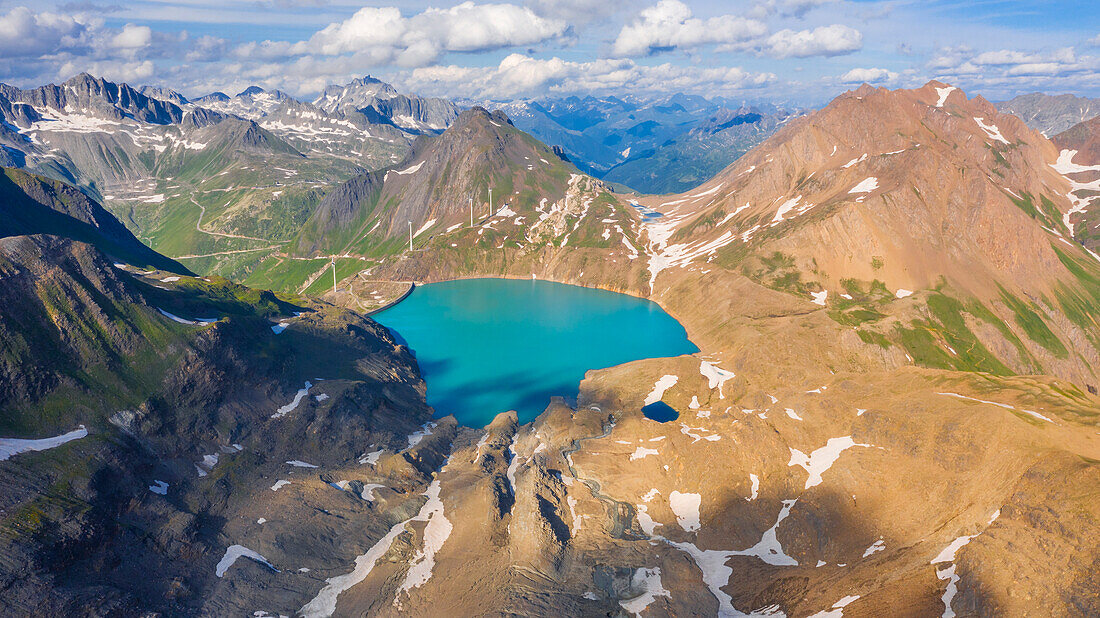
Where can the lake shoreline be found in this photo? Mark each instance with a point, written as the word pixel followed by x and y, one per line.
pixel 490 344
pixel 394 302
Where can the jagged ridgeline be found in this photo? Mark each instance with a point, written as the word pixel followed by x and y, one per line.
pixel 220 182
pixel 443 186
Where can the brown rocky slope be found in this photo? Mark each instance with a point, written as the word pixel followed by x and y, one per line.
pixel 891 451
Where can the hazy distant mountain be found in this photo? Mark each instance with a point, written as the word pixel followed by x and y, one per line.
pixel 1050 114
pixel 694 157
pixel 662 146
pixel 164 94
pixel 381 102
pixel 252 103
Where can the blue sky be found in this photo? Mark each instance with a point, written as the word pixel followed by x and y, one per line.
pixel 785 51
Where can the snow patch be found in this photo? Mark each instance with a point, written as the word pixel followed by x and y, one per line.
pixel 991 130
pixel 877 546
pixel 716 376
pixel 695 437
pixel 298 397
pixel 371 458
pixel 368 491
pixel 819 461
pixel 837 610
pixel 686 508
pixel 659 387
pixel 176 318
pixel 855 161
pixel 436 532
pixel 233 552
pixel 755 480
pixel 10 447
pixel 1000 405
pixel 418 435
pixel 649 581
pixel 944 93
pixel 513 465
pixel 866 186
pixel 324 604
pixel 424 228
pixel 408 170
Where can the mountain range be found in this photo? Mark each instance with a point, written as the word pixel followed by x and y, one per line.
pixel 1051 114
pixel 661 146
pixel 894 406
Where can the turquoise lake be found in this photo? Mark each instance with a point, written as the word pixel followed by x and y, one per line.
pixel 486 346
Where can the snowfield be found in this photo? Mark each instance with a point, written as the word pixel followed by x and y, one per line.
pixel 10 447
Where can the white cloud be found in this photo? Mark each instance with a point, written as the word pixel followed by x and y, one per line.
pixel 133 37
pixel 24 33
pixel 670 25
pixel 794 8
pixel 870 76
pixel 519 75
pixel 577 11
pixel 1002 57
pixel 831 40
pixel 1008 63
pixel 207 48
pixel 387 36
pixel 116 71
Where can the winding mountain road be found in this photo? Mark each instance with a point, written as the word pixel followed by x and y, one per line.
pixel 198 226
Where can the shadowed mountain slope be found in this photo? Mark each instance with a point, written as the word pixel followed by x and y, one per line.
pixel 153 423
pixel 31 204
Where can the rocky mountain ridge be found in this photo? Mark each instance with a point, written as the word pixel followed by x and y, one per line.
pixel 382 103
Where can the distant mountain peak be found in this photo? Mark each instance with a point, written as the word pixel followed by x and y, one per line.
pixel 251 90
pixel 478 113
pixel 213 96
pixel 381 102
pixel 1051 114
